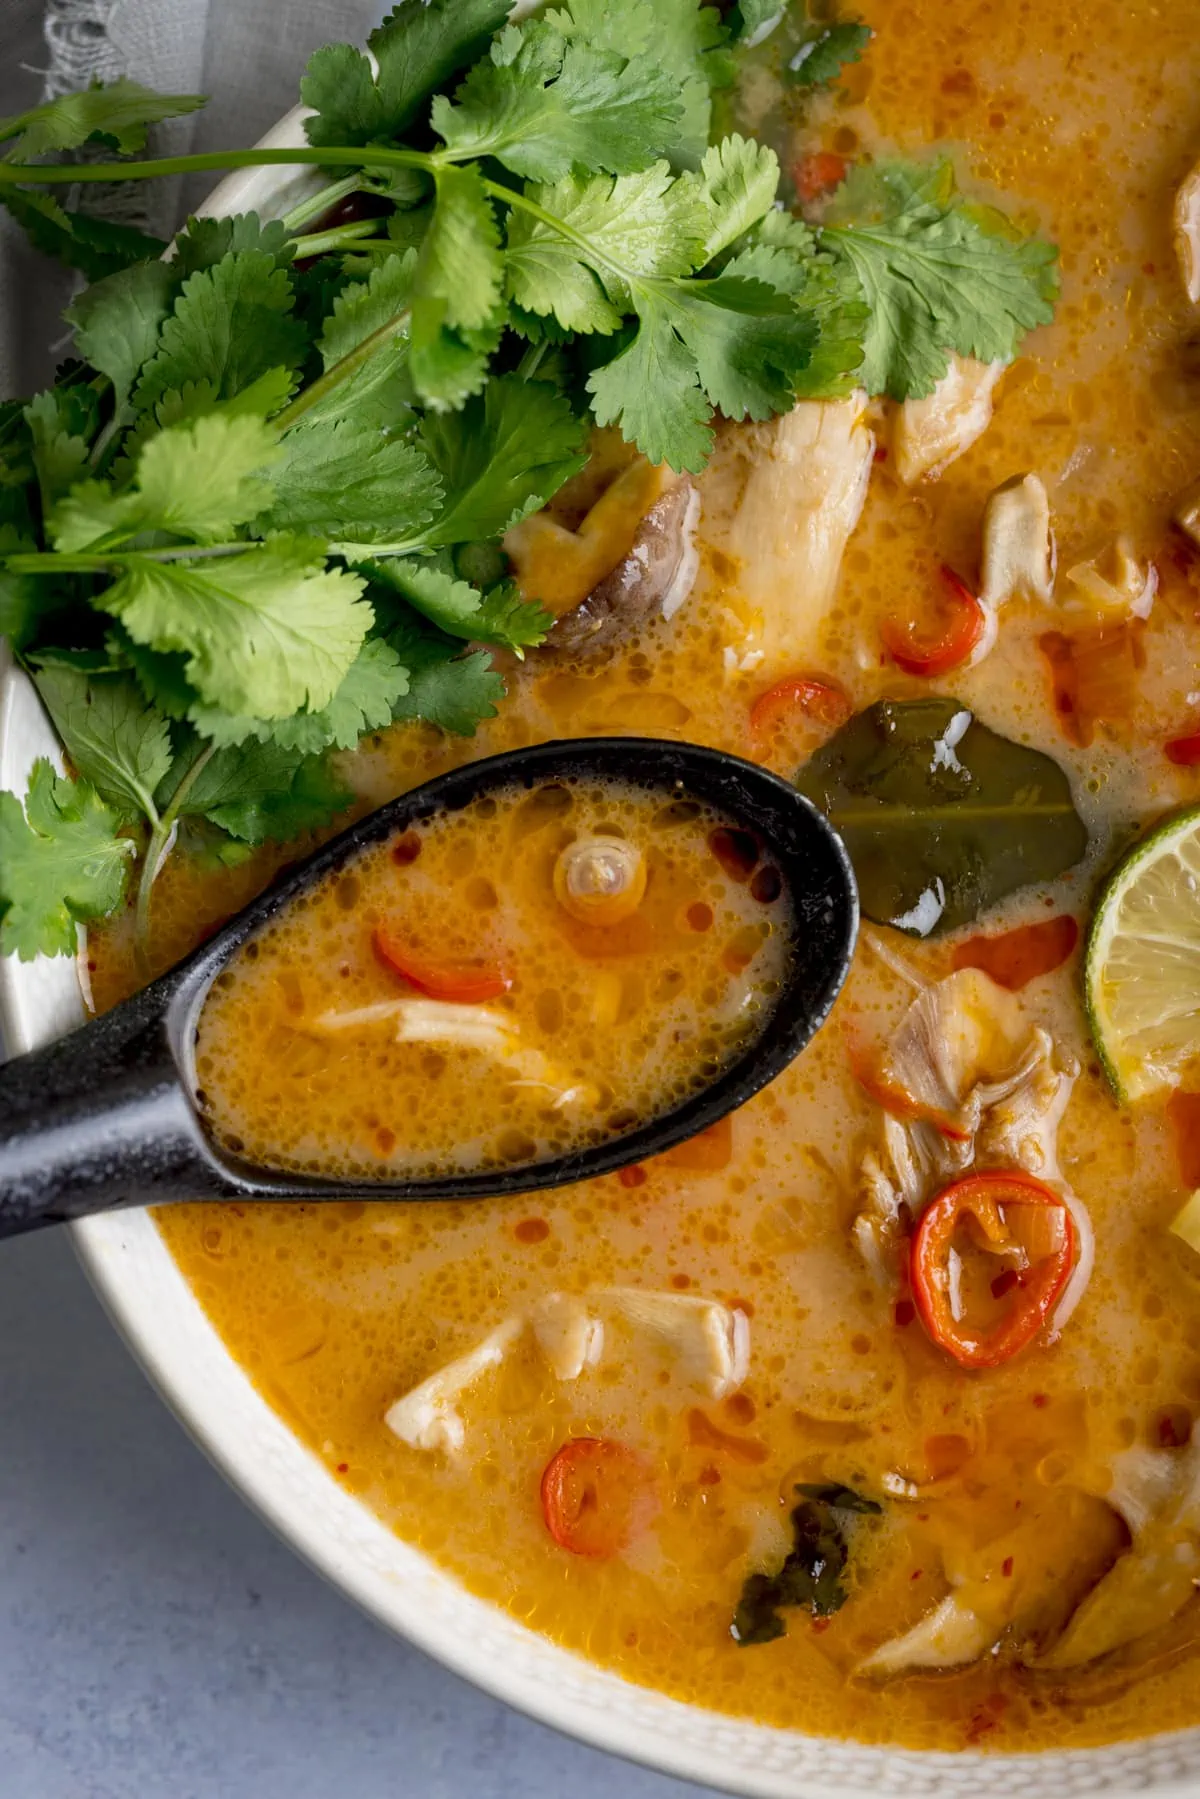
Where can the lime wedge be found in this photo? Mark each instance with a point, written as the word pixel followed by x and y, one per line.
pixel 1142 967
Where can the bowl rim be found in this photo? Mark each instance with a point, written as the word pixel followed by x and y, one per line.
pixel 156 1311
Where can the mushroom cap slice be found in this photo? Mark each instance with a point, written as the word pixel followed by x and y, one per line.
pixel 1186 222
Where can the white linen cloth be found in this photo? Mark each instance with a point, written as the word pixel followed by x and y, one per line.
pixel 248 55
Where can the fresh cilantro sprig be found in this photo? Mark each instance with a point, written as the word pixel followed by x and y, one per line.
pixel 938 274
pixel 261 513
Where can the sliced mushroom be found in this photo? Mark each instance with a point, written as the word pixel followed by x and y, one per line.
pixel 656 577
pixel 1018 544
pixel 1186 512
pixel 929 434
pixel 1187 234
pixel 632 555
pixel 1158 1495
pixel 1022 1584
pixel 1112 585
pixel 805 484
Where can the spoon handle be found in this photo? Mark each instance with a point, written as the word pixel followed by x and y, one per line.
pixel 96 1120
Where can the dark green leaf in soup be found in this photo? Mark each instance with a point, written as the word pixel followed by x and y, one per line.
pixel 942 817
pixel 812 1576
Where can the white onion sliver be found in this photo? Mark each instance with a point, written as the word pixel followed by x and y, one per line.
pixel 1076 1287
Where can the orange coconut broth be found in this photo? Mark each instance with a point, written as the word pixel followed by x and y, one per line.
pixel 534 973
pixel 1087 118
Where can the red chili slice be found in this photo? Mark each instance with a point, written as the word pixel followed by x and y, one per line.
pixel 468 982
pixel 597 1496
pixel 818 173
pixel 1014 958
pixel 962 623
pixel 994 1201
pixel 797 696
pixel 1184 751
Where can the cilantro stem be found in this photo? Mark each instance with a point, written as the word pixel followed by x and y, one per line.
pixel 335 156
pixel 98 562
pixel 320 203
pixel 320 243
pixel 159 847
pixel 341 372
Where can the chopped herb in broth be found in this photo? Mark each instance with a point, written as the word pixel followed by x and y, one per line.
pixel 502 984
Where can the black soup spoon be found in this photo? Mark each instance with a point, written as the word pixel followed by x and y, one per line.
pixel 106 1116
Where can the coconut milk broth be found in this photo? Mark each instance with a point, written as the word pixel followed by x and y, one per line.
pixel 1088 120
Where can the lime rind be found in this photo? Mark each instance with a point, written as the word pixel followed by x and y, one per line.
pixel 1142 961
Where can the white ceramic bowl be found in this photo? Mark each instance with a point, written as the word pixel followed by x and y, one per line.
pixel 154 1308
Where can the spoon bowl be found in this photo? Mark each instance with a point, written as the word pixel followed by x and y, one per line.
pixel 108 1116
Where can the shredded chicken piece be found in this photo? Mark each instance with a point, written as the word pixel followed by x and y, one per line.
pixel 949 1637
pixel 428 1416
pixel 1157 1492
pixel 961 1052
pixel 1018 543
pixel 1186 223
pixel 1112 585
pixel 806 481
pixel 929 434
pixel 568 1335
pixel 711 1341
pixel 492 1033
pixel 1186 512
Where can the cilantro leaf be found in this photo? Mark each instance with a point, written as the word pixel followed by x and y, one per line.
pixel 652 390
pixel 825 56
pixel 418 48
pixel 22 597
pixel 265 631
pixel 445 688
pixel 115 112
pixel 365 307
pixel 231 324
pixel 737 182
pixel 454 606
pixel 364 701
pixel 113 738
pixel 204 242
pixel 370 319
pixel 117 322
pixel 502 457
pixel 261 793
pixel 938 274
pixel 544 104
pixel 62 423
pixel 729 343
pixel 96 247
pixel 459 267
pixel 61 863
pixel 161 675
pixel 754 20
pixel 196 480
pixel 683 38
pixel 449 367
pixel 643 224
pixel 342 480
